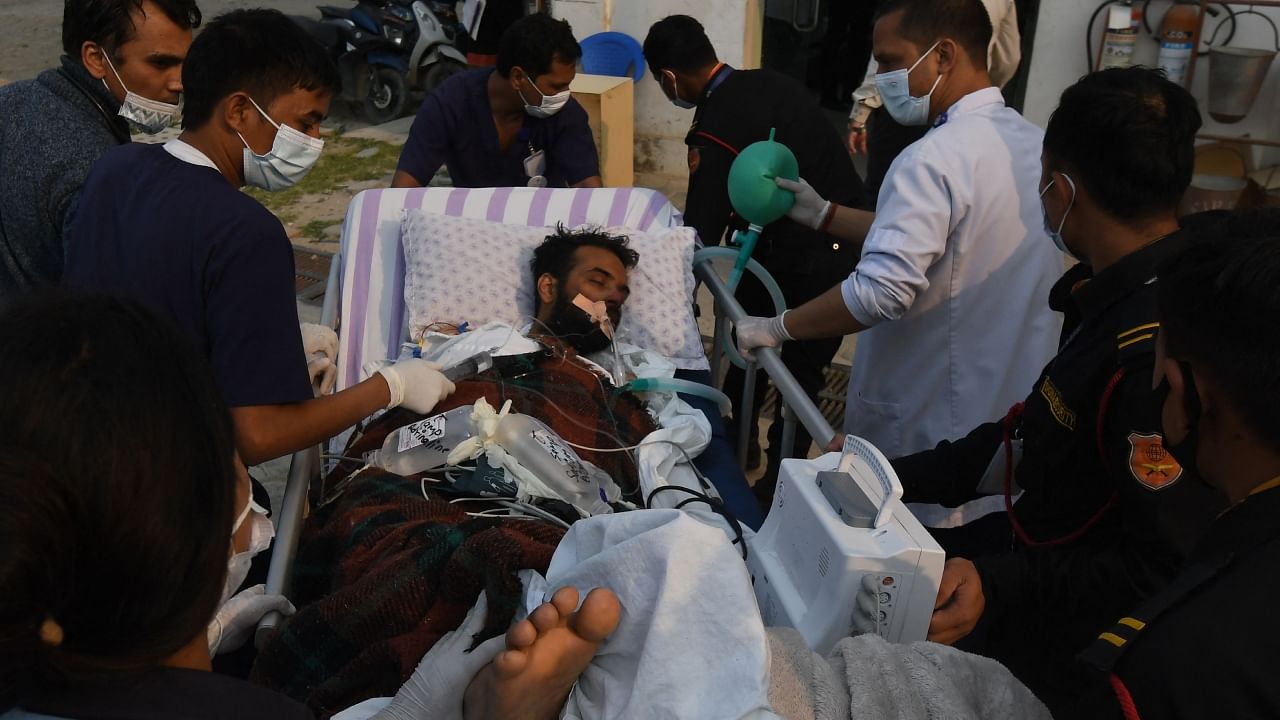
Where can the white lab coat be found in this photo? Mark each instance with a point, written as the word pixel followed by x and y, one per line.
pixel 953 282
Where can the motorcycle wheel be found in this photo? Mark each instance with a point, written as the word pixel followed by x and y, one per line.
pixel 385 99
pixel 438 73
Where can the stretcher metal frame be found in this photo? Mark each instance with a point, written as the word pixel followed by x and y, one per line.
pixel 305 466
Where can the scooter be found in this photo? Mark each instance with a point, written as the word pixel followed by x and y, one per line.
pixel 385 49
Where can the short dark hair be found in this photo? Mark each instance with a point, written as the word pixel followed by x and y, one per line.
pixel 109 23
pixel 1128 136
pixel 117 492
pixel 260 52
pixel 678 42
pixel 556 254
pixel 925 22
pixel 532 42
pixel 1216 302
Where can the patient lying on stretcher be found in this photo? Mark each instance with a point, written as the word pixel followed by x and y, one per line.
pixel 560 371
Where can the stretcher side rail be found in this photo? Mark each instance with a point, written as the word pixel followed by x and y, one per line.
pixel 796 405
pixel 304 468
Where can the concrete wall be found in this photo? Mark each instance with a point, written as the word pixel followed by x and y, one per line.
pixel 1059 61
pixel 661 159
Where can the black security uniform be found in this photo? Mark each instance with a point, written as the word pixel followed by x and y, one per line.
pixel 1106 516
pixel 1205 646
pixel 740 107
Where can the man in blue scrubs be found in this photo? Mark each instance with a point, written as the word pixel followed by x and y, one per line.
pixel 512 126
pixel 167 225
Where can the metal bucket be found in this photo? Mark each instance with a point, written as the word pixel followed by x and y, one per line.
pixel 1235 77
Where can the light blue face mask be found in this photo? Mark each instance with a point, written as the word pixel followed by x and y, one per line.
pixel 895 92
pixel 675 93
pixel 292 155
pixel 1056 234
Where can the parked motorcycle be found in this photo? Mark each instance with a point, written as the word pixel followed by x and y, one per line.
pixel 386 48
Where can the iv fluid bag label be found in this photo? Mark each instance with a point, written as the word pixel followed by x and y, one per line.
pixel 422 432
pixel 562 454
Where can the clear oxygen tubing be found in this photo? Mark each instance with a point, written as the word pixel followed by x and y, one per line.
pixel 775 292
pixel 681 386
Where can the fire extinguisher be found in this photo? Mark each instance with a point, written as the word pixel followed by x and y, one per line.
pixel 1177 35
pixel 1120 36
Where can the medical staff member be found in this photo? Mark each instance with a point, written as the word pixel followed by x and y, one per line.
pixel 734 108
pixel 121 67
pixel 1205 645
pixel 515 125
pixel 1106 514
pixel 950 289
pixel 168 225
pixel 874 132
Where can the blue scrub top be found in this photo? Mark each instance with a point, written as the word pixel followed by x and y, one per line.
pixel 181 240
pixel 455 127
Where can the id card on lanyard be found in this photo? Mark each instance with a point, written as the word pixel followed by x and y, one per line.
pixel 535 163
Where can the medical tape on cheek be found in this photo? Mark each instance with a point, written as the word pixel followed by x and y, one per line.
pixel 598 311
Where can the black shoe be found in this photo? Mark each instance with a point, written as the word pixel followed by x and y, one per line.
pixel 753 456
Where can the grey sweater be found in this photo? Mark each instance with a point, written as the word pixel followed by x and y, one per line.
pixel 52 130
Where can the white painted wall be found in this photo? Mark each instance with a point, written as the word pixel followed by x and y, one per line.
pixel 1059 61
pixel 661 157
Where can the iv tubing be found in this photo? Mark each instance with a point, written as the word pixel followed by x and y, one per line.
pixel 681 386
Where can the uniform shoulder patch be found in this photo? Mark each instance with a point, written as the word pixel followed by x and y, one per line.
pixel 1150 464
pixel 695 159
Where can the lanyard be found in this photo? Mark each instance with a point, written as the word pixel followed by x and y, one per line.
pixel 716 77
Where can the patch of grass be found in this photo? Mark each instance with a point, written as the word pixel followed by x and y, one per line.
pixel 315 228
pixel 337 166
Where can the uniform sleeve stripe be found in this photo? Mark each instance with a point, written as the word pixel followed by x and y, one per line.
pixel 1134 341
pixel 1140 328
pixel 1134 623
pixel 1112 638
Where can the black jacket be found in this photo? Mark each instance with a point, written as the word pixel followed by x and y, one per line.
pixel 1106 516
pixel 1204 647
pixel 740 107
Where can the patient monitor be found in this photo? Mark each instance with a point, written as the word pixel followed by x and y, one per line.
pixel 840 555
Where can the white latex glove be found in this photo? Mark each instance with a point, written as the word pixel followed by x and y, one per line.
pixel 319 339
pixel 754 332
pixel 810 208
pixel 238 617
pixel 323 374
pixel 416 384
pixel 437 687
pixel 320 345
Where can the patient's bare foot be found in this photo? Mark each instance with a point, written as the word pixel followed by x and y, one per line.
pixel 545 654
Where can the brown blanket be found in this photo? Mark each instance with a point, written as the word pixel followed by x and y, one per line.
pixel 383 572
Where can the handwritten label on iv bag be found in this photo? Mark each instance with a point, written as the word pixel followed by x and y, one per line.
pixel 422 432
pixel 563 455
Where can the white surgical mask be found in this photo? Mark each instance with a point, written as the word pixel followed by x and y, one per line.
pixel 550 105
pixel 675 94
pixel 895 92
pixel 292 155
pixel 1056 234
pixel 259 540
pixel 149 116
